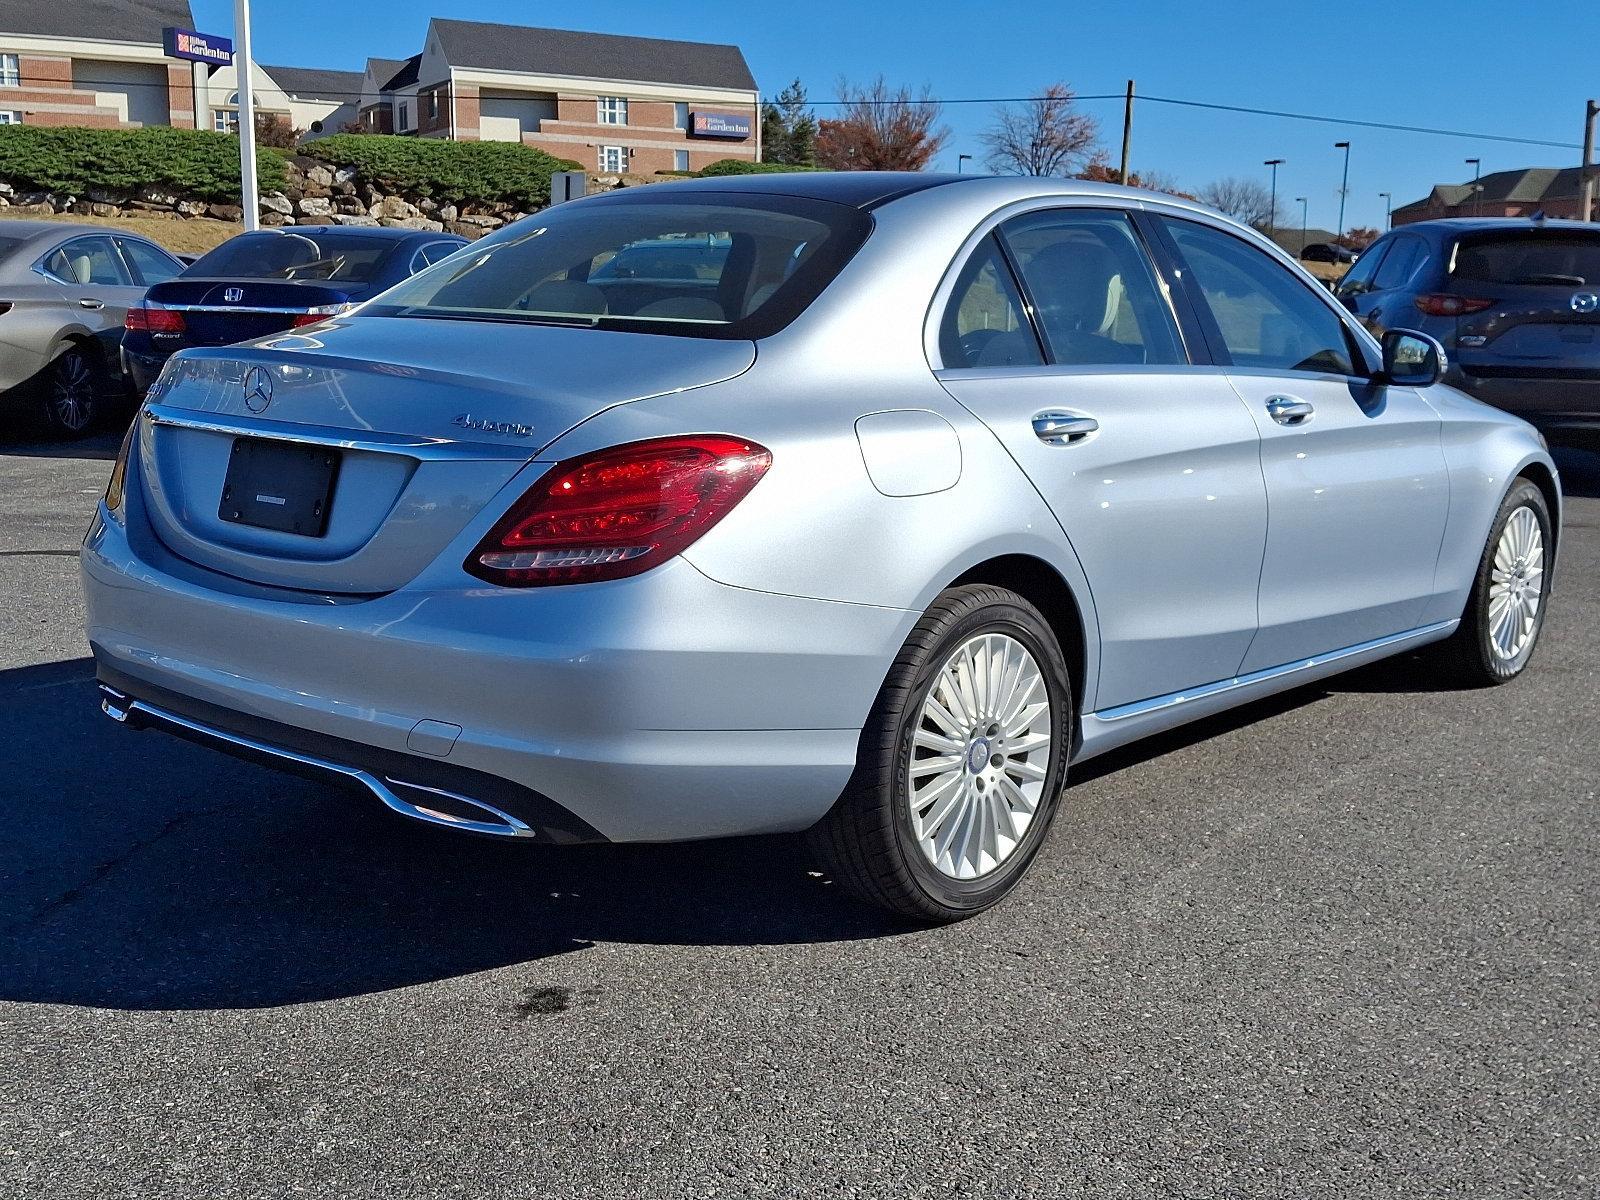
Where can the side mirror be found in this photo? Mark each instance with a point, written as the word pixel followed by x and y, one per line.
pixel 1412 359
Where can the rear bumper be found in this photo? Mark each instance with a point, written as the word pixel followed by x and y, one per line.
pixel 141 368
pixel 658 708
pixel 1544 401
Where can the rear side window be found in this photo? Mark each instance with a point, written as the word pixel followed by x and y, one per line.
pixel 1267 317
pixel 1093 290
pixel 732 266
pixel 984 325
pixel 1401 263
pixel 1530 256
pixel 151 265
pixel 350 258
pixel 88 260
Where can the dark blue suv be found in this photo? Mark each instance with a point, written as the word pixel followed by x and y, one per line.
pixel 270 280
pixel 1515 302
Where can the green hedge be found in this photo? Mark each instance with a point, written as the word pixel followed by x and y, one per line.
pixel 195 164
pixel 450 171
pixel 739 166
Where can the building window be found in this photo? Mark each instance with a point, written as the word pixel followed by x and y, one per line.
pixel 680 116
pixel 613 110
pixel 225 120
pixel 613 159
pixel 680 160
pixel 10 71
pixel 405 115
pixel 433 105
pixel 10 117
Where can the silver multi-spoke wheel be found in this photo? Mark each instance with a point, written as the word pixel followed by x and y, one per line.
pixel 72 389
pixel 1516 584
pixel 980 756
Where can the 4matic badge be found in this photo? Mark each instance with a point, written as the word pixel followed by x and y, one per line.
pixel 483 425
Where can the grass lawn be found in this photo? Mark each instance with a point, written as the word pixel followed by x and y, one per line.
pixel 181 235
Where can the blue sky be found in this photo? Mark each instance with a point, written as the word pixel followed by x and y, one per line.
pixel 1520 69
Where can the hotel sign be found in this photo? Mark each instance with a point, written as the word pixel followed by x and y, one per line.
pixel 732 126
pixel 197 47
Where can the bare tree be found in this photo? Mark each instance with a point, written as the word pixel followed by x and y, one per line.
pixel 1042 136
pixel 1099 170
pixel 1243 200
pixel 880 128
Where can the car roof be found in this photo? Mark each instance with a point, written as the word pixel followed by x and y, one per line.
pixel 1449 227
pixel 43 230
pixel 385 233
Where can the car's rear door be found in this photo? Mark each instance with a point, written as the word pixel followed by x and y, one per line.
pixel 1357 490
pixel 97 287
pixel 1060 336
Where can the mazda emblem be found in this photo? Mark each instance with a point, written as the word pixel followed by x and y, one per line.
pixel 257 389
pixel 1585 302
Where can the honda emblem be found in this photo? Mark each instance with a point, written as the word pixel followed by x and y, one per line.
pixel 233 295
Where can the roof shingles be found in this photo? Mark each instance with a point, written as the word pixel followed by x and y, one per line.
pixel 101 20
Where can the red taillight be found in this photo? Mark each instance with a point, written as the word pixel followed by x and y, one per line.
pixel 619 511
pixel 322 312
pixel 152 318
pixel 1443 304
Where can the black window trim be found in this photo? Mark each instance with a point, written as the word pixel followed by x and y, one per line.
pixel 1359 358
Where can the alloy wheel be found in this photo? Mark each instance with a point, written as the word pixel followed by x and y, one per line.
pixel 980 755
pixel 72 393
pixel 1516 584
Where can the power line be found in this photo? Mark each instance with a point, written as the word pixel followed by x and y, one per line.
pixel 1394 127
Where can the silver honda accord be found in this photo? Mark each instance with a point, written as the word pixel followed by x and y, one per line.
pixel 865 504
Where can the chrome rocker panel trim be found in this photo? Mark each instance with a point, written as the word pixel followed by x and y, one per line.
pixel 1111 727
pixel 138 714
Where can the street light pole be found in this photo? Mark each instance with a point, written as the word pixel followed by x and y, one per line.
pixel 1344 185
pixel 1272 213
pixel 1388 203
pixel 1477 173
pixel 249 199
pixel 1301 201
pixel 960 159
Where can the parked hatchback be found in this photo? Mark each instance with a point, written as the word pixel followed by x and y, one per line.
pixel 925 489
pixel 1516 304
pixel 270 280
pixel 64 291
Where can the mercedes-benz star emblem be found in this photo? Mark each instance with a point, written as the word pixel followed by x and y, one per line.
pixel 1585 302
pixel 257 389
pixel 233 295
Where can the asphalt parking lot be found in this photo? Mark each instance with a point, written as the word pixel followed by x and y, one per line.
pixel 1343 943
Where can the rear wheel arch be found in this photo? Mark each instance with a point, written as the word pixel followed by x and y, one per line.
pixel 1037 582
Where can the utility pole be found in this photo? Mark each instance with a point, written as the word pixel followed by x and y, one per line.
pixel 249 197
pixel 1388 207
pixel 1272 213
pixel 1586 208
pixel 1127 133
pixel 1477 173
pixel 1344 185
pixel 1301 201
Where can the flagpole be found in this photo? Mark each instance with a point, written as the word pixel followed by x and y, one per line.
pixel 249 197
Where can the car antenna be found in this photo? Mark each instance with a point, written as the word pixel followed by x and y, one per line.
pixel 1538 217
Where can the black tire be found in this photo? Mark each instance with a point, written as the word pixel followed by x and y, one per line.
pixel 867 838
pixel 72 388
pixel 1469 658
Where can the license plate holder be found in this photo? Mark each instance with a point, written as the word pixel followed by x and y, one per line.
pixel 285 486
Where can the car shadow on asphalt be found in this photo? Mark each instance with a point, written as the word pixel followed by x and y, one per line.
pixel 101 445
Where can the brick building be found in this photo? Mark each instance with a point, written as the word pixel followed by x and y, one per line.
pixel 614 104
pixel 70 62
pixel 1519 193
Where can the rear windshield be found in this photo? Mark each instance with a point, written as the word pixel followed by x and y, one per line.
pixel 348 258
pixel 730 266
pixel 1530 256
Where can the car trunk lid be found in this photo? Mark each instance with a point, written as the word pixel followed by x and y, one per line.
pixel 220 312
pixel 400 429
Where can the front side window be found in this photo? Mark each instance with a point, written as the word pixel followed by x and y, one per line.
pixel 613 110
pixel 613 159
pixel 1266 317
pixel 151 265
pixel 1358 279
pixel 10 71
pixel 985 326
pixel 88 260
pixel 716 268
pixel 1094 292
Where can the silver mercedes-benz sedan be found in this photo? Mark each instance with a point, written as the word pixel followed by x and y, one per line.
pixel 866 504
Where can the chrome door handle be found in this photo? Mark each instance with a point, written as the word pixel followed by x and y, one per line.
pixel 1063 428
pixel 1286 410
pixel 89 302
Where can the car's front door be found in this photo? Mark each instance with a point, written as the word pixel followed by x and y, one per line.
pixel 1357 490
pixel 1060 336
